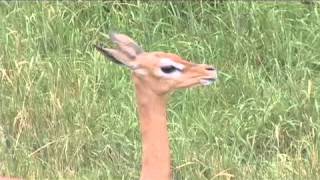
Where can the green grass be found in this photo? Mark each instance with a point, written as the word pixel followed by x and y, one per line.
pixel 66 113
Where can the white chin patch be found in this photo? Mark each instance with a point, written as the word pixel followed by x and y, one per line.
pixel 206 82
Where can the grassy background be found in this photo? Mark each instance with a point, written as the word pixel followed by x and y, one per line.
pixel 66 113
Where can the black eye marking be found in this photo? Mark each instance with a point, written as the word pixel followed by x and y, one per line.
pixel 169 69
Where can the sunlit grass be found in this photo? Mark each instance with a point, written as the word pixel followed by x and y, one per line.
pixel 67 113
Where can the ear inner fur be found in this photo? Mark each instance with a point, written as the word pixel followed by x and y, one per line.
pixel 107 54
pixel 126 44
pixel 117 57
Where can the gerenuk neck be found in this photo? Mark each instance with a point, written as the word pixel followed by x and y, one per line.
pixel 155 142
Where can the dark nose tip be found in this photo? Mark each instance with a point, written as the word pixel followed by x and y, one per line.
pixel 210 68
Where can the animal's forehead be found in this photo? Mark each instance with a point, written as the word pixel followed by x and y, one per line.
pixel 172 57
pixel 151 60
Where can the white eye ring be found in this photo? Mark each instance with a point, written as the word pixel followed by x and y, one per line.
pixel 174 74
pixel 170 69
pixel 169 62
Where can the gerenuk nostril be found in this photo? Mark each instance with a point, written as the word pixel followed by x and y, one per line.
pixel 210 68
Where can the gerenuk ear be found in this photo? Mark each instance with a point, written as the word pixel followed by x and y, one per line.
pixel 117 56
pixel 126 44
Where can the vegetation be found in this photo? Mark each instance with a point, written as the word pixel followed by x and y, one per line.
pixel 66 113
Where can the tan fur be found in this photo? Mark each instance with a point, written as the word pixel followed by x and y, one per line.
pixel 152 89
